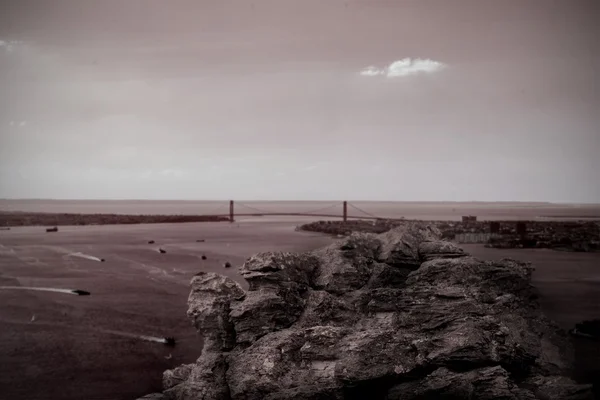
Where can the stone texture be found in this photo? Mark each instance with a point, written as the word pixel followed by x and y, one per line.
pixel 351 321
pixel 173 377
pixel 206 380
pixel 489 383
pixel 209 305
pixel 153 396
pixel 346 265
pixel 439 249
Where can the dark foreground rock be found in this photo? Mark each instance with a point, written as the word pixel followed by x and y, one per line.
pixel 395 316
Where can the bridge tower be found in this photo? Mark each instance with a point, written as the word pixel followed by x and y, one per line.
pixel 345 211
pixel 231 211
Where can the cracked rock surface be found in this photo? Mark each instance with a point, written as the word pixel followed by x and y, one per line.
pixel 397 316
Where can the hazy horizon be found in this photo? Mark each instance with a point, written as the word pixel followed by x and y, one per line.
pixel 274 200
pixel 382 100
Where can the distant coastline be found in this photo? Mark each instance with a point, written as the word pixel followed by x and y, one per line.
pixel 20 218
pixel 502 202
pixel 190 211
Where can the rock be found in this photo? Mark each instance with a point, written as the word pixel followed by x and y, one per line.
pixel 279 270
pixel 153 396
pixel 397 316
pixel 209 307
pixel 200 241
pixel 383 275
pixel 162 251
pixel 206 380
pixel 151 242
pixel 277 283
pixel 489 383
pixel 227 265
pixel 439 249
pixel 558 388
pixel 346 265
pixel 173 377
pixel 400 246
pixel 203 257
pixel 323 306
pixel 264 311
pixel 276 363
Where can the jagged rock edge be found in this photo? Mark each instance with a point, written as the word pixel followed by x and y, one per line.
pixel 421 375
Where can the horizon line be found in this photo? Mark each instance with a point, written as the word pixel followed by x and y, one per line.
pixel 305 200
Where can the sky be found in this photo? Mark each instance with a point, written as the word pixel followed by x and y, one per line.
pixel 432 100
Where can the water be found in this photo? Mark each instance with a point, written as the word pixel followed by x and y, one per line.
pixel 410 210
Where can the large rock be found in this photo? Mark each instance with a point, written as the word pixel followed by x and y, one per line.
pixel 558 388
pixel 173 377
pixel 278 283
pixel 206 380
pixel 489 383
pixel 439 249
pixel 209 306
pixel 153 396
pixel 347 265
pixel 279 270
pixel 352 321
pixel 264 311
pixel 400 246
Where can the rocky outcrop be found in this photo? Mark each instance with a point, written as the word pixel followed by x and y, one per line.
pixel 209 307
pixel 395 316
pixel 576 236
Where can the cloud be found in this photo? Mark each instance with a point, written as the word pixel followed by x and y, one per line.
pixel 9 45
pixel 405 67
pixel 172 173
pixel 310 168
pixel 20 124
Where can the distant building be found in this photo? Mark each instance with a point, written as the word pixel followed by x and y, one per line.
pixel 494 227
pixel 521 228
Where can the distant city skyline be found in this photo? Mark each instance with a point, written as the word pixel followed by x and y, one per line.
pixel 406 100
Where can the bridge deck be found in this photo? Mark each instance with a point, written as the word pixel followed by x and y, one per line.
pixel 305 215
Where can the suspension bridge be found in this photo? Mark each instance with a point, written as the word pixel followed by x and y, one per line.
pixel 324 212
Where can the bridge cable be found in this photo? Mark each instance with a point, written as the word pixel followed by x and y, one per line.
pixel 363 211
pixel 252 208
pixel 323 209
pixel 213 212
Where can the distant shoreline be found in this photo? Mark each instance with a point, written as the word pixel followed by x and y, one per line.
pixel 421 202
pixel 20 218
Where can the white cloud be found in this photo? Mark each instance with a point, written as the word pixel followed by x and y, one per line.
pixel 172 173
pixel 18 124
pixel 405 67
pixel 311 168
pixel 372 71
pixel 9 45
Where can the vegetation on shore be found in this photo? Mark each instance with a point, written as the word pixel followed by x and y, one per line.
pixel 346 228
pixel 55 219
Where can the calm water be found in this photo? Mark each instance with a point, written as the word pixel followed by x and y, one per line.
pixel 410 210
